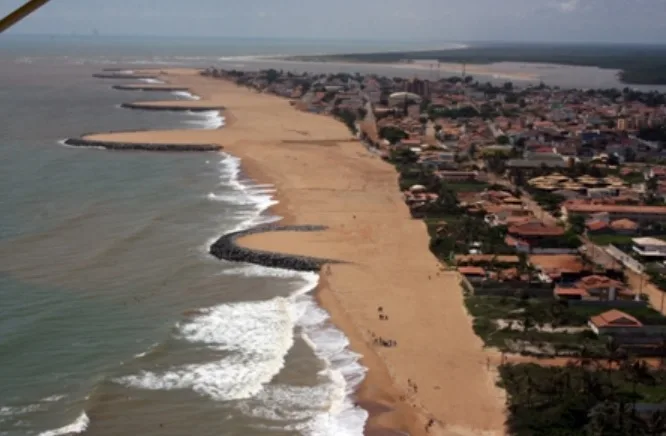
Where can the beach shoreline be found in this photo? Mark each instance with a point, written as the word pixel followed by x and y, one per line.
pixel 438 371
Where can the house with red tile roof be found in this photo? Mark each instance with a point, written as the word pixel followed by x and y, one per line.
pixel 624 226
pixel 474 274
pixel 534 231
pixel 614 322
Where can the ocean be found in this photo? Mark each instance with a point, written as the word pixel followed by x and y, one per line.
pixel 114 317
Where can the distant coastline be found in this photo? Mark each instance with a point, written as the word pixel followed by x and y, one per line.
pixel 636 64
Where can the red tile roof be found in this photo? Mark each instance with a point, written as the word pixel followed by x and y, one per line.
pixel 624 224
pixel 472 270
pixel 615 318
pixel 596 225
pixel 568 292
pixel 598 281
pixel 577 207
pixel 536 228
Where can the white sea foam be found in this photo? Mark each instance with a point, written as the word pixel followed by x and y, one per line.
pixel 187 95
pixel 208 120
pixel 245 193
pixel 19 410
pixel 153 81
pixel 64 144
pixel 76 427
pixel 52 398
pixel 257 337
pixel 325 409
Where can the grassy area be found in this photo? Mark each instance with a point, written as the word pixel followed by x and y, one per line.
pixel 611 239
pixel 488 311
pixel 618 239
pixel 536 312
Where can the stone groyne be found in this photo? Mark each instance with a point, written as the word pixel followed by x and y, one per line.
pixel 148 87
pixel 109 145
pixel 226 248
pixel 179 108
pixel 111 75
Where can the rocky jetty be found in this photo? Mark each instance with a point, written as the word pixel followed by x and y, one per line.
pixel 111 75
pixel 148 87
pixel 179 108
pixel 226 248
pixel 81 142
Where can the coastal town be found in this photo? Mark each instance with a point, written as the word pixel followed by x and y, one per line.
pixel 550 205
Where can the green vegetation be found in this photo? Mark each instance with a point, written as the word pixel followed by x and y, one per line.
pixel 634 177
pixel 584 399
pixel 392 134
pixel 640 64
pixel 443 112
pixel 610 239
pixel 548 201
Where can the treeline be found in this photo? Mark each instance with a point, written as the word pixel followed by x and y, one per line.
pixel 640 64
pixel 615 397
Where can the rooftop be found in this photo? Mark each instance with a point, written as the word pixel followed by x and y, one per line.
pixel 472 270
pixel 615 318
pixel 575 206
pixel 649 241
pixel 536 228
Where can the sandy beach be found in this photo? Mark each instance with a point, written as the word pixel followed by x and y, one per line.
pixel 438 370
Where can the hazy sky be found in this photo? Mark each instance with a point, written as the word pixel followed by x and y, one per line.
pixel 443 20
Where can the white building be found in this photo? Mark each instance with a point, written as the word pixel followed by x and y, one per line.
pixel 649 247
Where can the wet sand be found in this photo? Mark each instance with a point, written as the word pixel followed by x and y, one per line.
pixel 438 370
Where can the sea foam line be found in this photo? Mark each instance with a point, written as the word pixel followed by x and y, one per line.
pixel 153 81
pixel 336 415
pixel 255 338
pixel 78 426
pixel 186 95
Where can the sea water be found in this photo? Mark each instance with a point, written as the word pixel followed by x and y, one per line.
pixel 114 317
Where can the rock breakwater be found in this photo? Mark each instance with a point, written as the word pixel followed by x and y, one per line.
pixel 112 75
pixel 226 248
pixel 177 108
pixel 82 142
pixel 148 87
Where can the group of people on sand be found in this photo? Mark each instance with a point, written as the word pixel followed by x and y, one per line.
pixel 378 340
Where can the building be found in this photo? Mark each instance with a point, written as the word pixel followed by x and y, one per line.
pixel 614 322
pixel 403 99
pixel 418 87
pixel 638 214
pixel 533 231
pixel 624 227
pixel 457 176
pixel 648 247
pixel 474 274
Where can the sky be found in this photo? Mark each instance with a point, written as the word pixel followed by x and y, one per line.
pixel 641 21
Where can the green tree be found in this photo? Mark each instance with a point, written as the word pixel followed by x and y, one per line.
pixel 502 140
pixel 392 134
pixel 577 224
